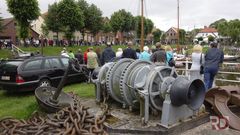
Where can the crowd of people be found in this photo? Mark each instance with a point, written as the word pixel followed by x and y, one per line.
pixel 158 54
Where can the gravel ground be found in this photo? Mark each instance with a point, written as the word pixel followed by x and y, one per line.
pixel 206 129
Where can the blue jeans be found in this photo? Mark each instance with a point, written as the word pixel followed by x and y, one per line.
pixel 209 74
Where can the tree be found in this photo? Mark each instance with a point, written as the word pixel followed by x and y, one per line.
pixel 106 25
pixel 163 38
pixel 182 36
pixel 83 5
pixel 216 23
pixel 94 19
pixel 230 29
pixel 200 39
pixel 156 35
pixel 1 25
pixel 71 17
pixel 52 19
pixel 45 30
pixel 148 26
pixel 122 21
pixel 211 38
pixel 24 11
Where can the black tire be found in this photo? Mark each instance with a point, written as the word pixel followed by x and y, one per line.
pixel 44 82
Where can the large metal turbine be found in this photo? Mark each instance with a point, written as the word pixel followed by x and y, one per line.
pixel 141 84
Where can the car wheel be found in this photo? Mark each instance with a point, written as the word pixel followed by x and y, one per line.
pixel 44 82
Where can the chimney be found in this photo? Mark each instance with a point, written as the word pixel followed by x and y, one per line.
pixel 205 27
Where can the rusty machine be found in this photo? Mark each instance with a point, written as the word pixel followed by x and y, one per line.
pixel 142 85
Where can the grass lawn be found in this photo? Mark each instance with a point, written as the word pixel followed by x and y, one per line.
pixel 22 105
pixel 53 51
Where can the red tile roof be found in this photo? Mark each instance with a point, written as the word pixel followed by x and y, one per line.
pixel 208 30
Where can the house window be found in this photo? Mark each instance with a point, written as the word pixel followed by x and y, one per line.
pixel 171 34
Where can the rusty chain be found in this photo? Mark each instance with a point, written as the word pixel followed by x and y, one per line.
pixel 73 120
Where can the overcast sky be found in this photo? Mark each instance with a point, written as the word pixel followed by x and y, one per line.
pixel 193 13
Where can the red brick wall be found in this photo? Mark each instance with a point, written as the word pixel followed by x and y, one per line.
pixel 10 32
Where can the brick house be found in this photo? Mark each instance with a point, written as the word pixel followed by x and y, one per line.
pixel 171 36
pixel 9 32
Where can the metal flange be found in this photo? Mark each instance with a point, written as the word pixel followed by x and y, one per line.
pixel 127 80
pixel 113 79
pixel 157 83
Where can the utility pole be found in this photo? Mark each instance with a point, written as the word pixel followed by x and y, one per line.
pixel 142 26
pixel 178 32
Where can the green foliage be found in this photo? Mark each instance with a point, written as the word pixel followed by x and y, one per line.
pixel 22 31
pixel 45 30
pixel 24 11
pixel 200 39
pixel 182 36
pixel 148 26
pixel 122 21
pixel 106 25
pixel 1 25
pixel 211 38
pixel 70 16
pixel 216 23
pixel 93 19
pixel 83 5
pixel 156 35
pixel 163 37
pixel 230 29
pixel 52 19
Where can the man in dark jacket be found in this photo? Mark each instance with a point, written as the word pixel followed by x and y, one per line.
pixel 107 55
pixel 213 58
pixel 79 56
pixel 129 52
pixel 159 56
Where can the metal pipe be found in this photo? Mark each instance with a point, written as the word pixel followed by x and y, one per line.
pixel 142 27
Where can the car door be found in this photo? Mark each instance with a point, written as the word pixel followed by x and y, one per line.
pixel 57 70
pixel 31 70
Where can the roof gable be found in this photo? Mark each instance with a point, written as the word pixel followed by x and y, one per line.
pixel 173 29
pixel 208 30
pixel 7 21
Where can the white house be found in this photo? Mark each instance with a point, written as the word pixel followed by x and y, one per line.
pixel 206 32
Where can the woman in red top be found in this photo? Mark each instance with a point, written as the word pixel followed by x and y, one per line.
pixel 85 56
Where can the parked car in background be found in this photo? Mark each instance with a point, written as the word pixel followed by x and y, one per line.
pixel 28 74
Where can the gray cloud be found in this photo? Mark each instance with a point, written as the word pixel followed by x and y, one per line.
pixel 164 12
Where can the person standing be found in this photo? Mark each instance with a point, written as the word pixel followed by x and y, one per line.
pixel 213 58
pixel 92 60
pixel 107 55
pixel 159 56
pixel 71 54
pixel 64 52
pixel 119 53
pixel 145 55
pixel 197 60
pixel 169 56
pixel 79 56
pixel 85 56
pixel 138 53
pixel 129 52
